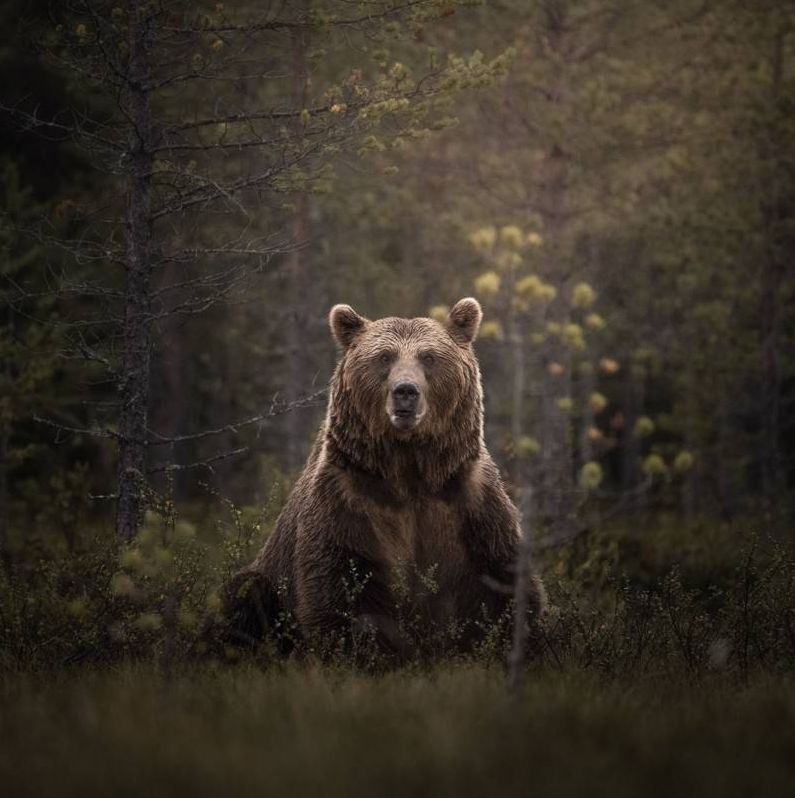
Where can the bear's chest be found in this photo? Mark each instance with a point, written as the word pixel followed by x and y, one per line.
pixel 419 539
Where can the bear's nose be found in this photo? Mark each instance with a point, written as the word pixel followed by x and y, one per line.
pixel 405 396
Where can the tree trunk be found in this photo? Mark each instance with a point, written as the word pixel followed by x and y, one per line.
pixel 586 384
pixel 134 376
pixel 771 387
pixel 520 635
pixel 297 271
pixel 727 489
pixel 169 393
pixel 557 485
pixel 690 480
pixel 776 213
pixel 517 400
pixel 634 399
pixel 297 330
pixel 4 509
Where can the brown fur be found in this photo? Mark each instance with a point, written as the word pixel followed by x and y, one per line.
pixel 387 500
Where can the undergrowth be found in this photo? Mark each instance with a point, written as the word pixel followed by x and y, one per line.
pixel 622 605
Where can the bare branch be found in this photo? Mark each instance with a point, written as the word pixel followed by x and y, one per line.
pixel 276 408
pixel 206 463
pixel 65 428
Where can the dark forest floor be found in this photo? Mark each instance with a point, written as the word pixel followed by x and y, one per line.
pixel 451 731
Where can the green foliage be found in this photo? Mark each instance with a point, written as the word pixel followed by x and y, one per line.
pixel 591 475
pixel 654 465
pixel 528 447
pixel 152 599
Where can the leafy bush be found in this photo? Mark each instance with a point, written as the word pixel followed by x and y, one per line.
pixel 99 601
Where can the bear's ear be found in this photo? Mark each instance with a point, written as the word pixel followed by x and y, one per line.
pixel 346 324
pixel 463 322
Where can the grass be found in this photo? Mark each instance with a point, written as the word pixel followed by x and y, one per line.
pixel 298 731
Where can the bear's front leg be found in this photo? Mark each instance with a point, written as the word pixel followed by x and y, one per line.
pixel 344 600
pixel 490 535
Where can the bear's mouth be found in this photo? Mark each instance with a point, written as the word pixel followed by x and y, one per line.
pixel 405 419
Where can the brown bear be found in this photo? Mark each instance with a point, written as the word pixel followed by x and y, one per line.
pixel 399 490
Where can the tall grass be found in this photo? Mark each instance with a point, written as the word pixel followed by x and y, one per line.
pixel 449 731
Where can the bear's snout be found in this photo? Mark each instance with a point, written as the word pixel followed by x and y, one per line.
pixel 405 403
pixel 406 409
pixel 405 396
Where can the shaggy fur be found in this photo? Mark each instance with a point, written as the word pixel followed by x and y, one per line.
pixel 385 500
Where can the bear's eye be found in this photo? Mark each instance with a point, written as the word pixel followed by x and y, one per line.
pixel 427 358
pixel 384 358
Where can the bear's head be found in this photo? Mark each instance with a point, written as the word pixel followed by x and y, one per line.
pixel 407 380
